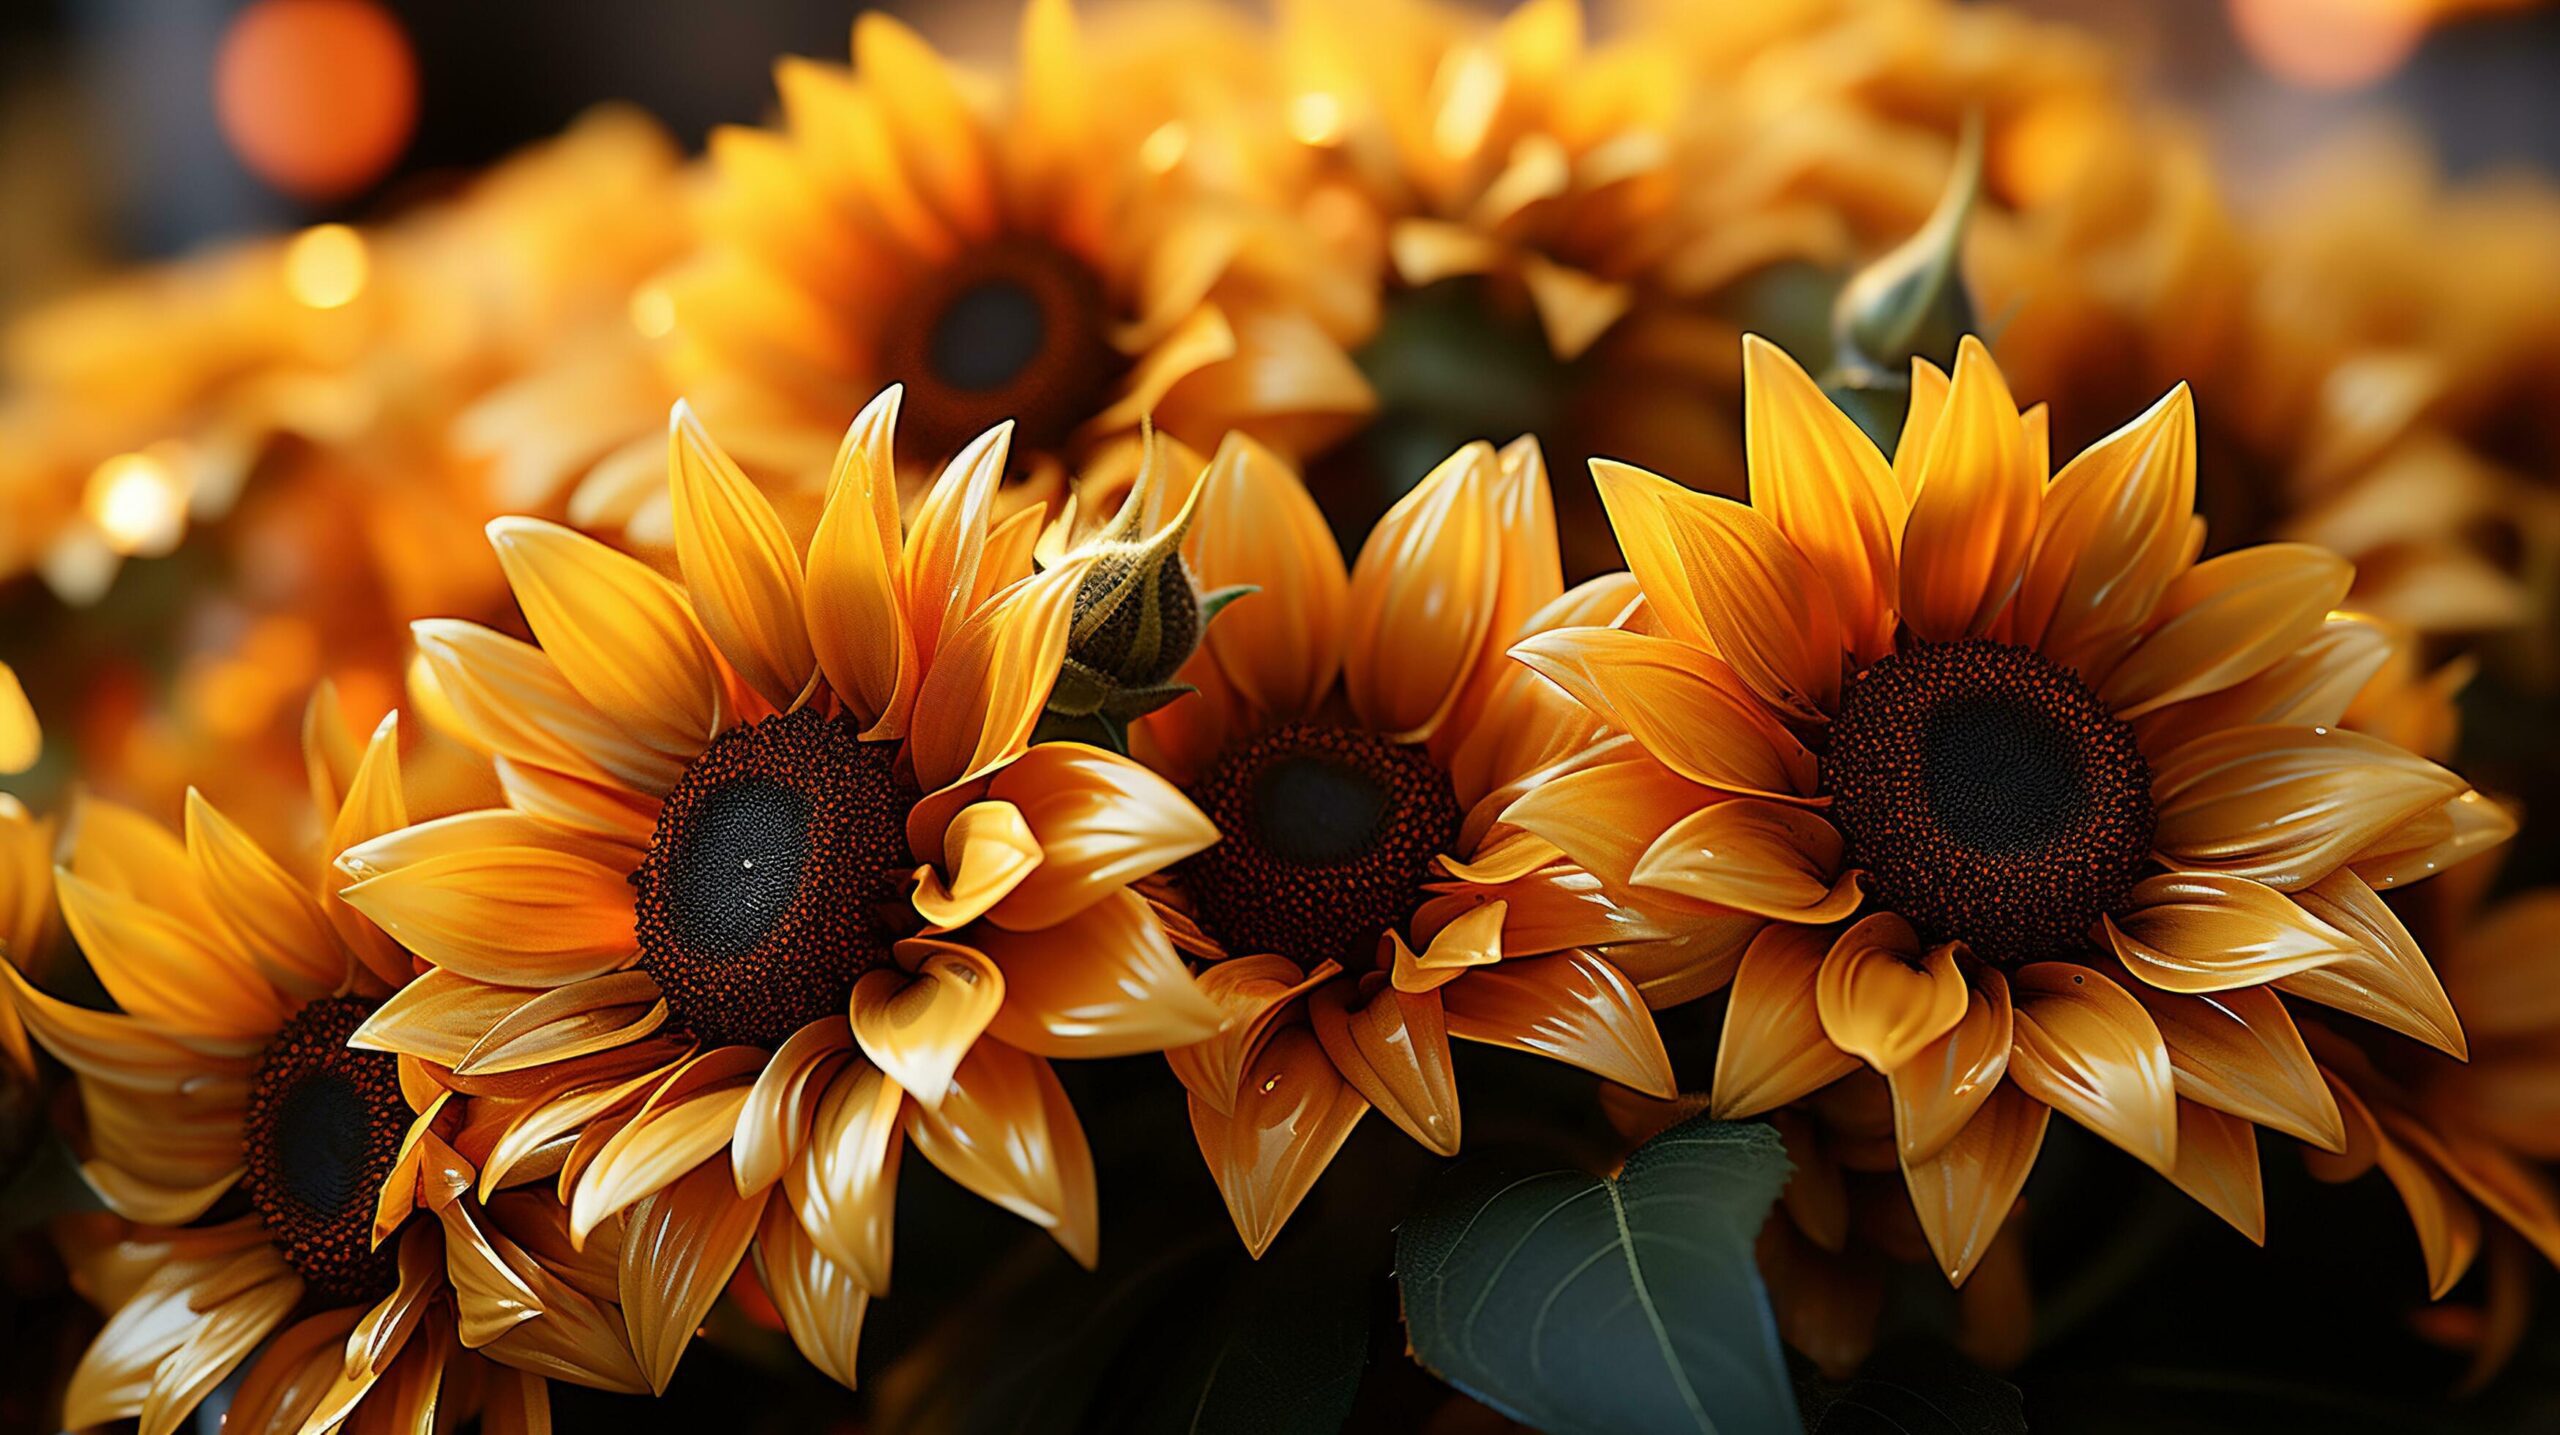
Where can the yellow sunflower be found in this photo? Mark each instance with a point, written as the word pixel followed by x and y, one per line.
pixel 1355 735
pixel 2034 811
pixel 225 1070
pixel 781 886
pixel 1046 245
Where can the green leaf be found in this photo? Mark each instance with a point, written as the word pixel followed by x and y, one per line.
pixel 1582 1303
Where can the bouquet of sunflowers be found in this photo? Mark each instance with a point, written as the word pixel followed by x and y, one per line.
pixel 1714 621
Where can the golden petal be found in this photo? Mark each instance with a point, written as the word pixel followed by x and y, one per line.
pixel 1281 647
pixel 1104 982
pixel 845 1183
pixel 1006 1131
pixel 738 564
pixel 947 539
pixel 1292 1112
pixel 272 917
pixel 21 738
pixel 1973 520
pixel 774 1124
pixel 1394 1050
pixel 2218 1165
pixel 2239 1052
pixel 2087 1049
pixel 1765 858
pixel 1691 712
pixel 508 699
pixel 1965 1193
pixel 162 968
pixel 2287 805
pixel 2225 620
pixel 2207 932
pixel 856 620
pixel 681 1247
pixel 1937 1092
pixel 1572 1006
pixel 1423 593
pixel 820 1302
pixel 1773 1049
pixel 622 636
pixel 2110 538
pixel 2385 979
pixel 516 916
pixel 918 1024
pixel 987 683
pixel 989 850
pixel 1882 998
pixel 1255 993
pixel 1820 479
pixel 1100 822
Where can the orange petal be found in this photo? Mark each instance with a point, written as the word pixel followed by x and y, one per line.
pixel 1255 993
pixel 2456 832
pixel 2314 684
pixel 1744 592
pixel 2517 1193
pixel 624 637
pixel 2205 932
pixel 774 1124
pixel 21 738
pixel 1471 939
pixel 738 564
pixel 2110 538
pixel 1104 982
pixel 1883 999
pixel 947 539
pixel 1766 858
pixel 678 1253
pixel 2087 1049
pixel 844 1184
pixel 1100 822
pixel 1292 1112
pixel 1605 814
pixel 918 1025
pixel 1572 1006
pixel 272 917
pixel 1394 1050
pixel 685 1123
pixel 1938 1091
pixel 509 699
pixel 165 969
pixel 2225 620
pixel 1973 520
pixel 2239 1052
pixel 2448 1227
pixel 1965 1193
pixel 1819 478
pixel 820 1302
pixel 537 1028
pixel 983 694
pixel 988 849
pixel 1690 711
pixel 2386 979
pixel 1773 1049
pixel 1255 524
pixel 2218 1165
pixel 1005 1131
pixel 516 916
pixel 856 618
pixel 1421 604
pixel 2287 805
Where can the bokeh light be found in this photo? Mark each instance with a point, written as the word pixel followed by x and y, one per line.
pixel 326 266
pixel 139 502
pixel 317 97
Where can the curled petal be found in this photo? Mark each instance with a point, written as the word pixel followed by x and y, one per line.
pixel 1254 994
pixel 1882 998
pixel 1773 1049
pixel 774 1124
pixel 2087 1049
pixel 2287 806
pixel 2204 932
pixel 1100 822
pixel 1292 1112
pixel 918 1025
pixel 1394 1050
pixel 988 849
pixel 1765 858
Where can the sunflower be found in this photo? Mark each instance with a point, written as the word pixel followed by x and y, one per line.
pixel 26 865
pixel 1048 245
pixel 2033 810
pixel 780 886
pixel 269 1170
pixel 1355 735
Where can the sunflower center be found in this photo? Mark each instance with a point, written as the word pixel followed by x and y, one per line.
pixel 1990 797
pixel 321 1133
pixel 1326 836
pixel 1015 329
pixel 776 878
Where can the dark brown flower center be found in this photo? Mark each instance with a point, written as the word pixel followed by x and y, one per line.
pixel 1326 835
pixel 321 1134
pixel 776 878
pixel 1991 798
pixel 1016 329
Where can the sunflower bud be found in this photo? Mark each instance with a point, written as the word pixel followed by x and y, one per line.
pixel 1138 618
pixel 1910 304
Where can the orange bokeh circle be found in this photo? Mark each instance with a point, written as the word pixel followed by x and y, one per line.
pixel 317 97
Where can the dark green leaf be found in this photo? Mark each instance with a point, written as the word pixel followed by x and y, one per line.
pixel 1582 1303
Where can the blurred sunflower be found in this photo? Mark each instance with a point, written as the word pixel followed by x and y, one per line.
pixel 226 1071
pixel 2039 813
pixel 1043 246
pixel 1355 736
pixel 781 886
pixel 26 867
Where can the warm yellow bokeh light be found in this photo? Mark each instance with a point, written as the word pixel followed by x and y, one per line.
pixel 1164 147
pixel 326 266
pixel 1316 118
pixel 21 740
pixel 138 502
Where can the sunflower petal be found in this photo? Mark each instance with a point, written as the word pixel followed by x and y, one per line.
pixel 1100 821
pixel 1973 520
pixel 2218 1165
pixel 856 618
pixel 1765 858
pixel 2206 932
pixel 514 916
pixel 2087 1049
pixel 738 564
pixel 681 1247
pixel 2385 979
pixel 1256 525
pixel 1292 1112
pixel 161 968
pixel 622 636
pixel 509 699
pixel 1882 998
pixel 1937 1092
pixel 947 541
pixel 919 1024
pixel 1820 479
pixel 1422 598
pixel 2238 1051
pixel 774 1124
pixel 2287 805
pixel 1773 1049
pixel 2110 538
pixel 987 683
pixel 2226 620
pixel 1394 1050
pixel 844 1185
pixel 988 849
pixel 1005 1130
pixel 1965 1193
pixel 1104 982
pixel 1256 994
pixel 1572 1006
pixel 271 916
pixel 820 1301
pixel 1690 711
